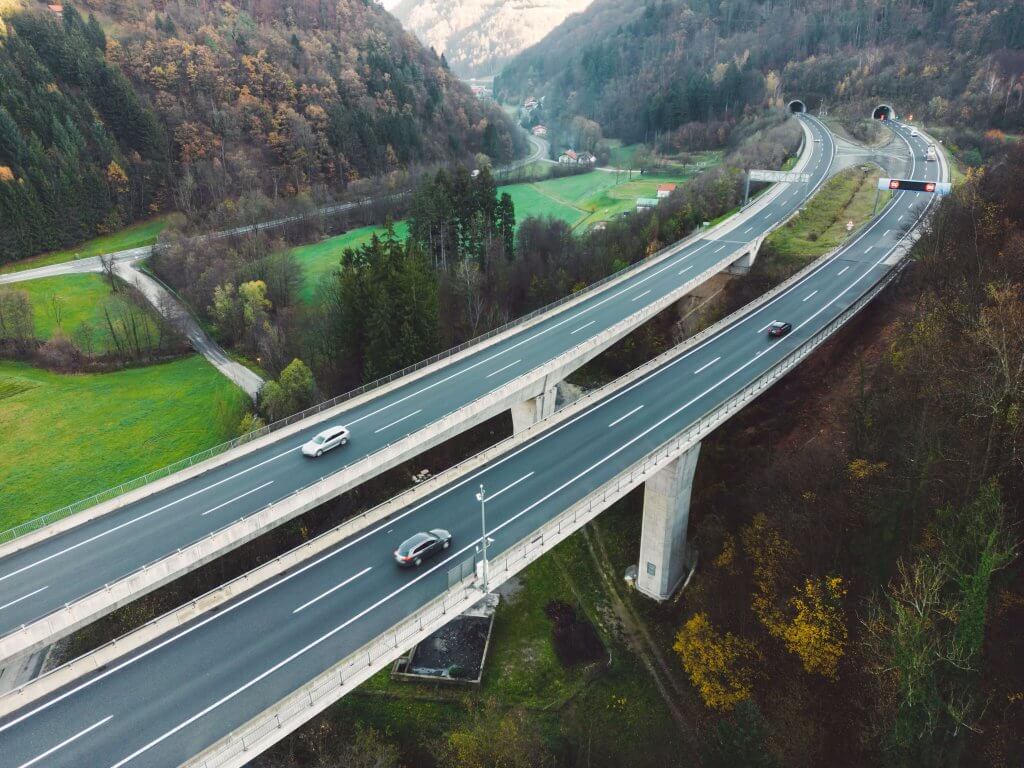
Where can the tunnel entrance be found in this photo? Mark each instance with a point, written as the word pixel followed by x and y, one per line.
pixel 796 106
pixel 883 112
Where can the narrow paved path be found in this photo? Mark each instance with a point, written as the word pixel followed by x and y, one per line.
pixel 182 321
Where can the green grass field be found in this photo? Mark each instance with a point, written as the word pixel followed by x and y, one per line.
pixel 821 226
pixel 317 259
pixel 67 437
pixel 80 299
pixel 579 201
pixel 143 233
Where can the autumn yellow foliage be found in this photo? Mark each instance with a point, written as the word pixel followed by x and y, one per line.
pixel 810 623
pixel 720 665
pixel 817 632
pixel 862 469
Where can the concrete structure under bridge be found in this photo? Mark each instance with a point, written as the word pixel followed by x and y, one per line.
pixel 243 666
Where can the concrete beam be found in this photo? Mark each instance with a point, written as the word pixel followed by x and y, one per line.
pixel 534 409
pixel 743 264
pixel 663 560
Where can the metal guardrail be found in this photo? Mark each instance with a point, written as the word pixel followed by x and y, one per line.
pixel 329 686
pixel 51 625
pixel 51 517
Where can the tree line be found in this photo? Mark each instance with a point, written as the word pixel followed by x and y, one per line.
pixel 656 71
pixel 80 153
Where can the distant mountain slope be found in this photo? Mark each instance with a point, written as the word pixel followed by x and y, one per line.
pixel 198 102
pixel 477 37
pixel 643 70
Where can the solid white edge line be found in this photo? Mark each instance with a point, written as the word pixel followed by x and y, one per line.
pixel 67 741
pixel 625 416
pixel 239 496
pixel 333 589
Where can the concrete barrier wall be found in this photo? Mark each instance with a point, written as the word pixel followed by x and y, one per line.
pixel 221 455
pixel 74 615
pixel 110 653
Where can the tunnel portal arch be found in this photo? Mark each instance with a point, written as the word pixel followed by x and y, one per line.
pixel 796 106
pixel 884 112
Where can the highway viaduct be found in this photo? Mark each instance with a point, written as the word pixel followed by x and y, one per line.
pixel 116 547
pixel 291 637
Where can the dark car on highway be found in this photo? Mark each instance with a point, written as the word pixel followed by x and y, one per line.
pixel 778 329
pixel 420 546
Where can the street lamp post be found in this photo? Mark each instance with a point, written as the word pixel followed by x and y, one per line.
pixel 482 498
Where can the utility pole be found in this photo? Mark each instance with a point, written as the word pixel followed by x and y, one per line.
pixel 482 498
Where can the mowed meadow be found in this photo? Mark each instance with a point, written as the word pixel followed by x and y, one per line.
pixel 67 437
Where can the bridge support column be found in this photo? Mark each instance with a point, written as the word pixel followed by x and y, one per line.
pixel 664 562
pixel 743 264
pixel 533 410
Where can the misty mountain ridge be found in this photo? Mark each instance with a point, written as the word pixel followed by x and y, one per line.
pixel 477 37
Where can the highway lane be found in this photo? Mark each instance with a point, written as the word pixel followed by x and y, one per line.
pixel 168 701
pixel 43 577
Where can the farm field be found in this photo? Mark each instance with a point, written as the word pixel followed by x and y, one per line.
pixel 143 233
pixel 112 427
pixel 580 201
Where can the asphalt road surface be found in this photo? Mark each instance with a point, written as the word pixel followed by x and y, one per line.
pixel 40 579
pixel 170 700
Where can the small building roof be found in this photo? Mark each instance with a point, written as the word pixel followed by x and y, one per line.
pixel 666 187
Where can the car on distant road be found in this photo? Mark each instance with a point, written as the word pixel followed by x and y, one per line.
pixel 418 547
pixel 913 133
pixel 324 441
pixel 778 328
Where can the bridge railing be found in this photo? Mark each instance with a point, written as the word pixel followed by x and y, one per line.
pixel 190 461
pixel 462 592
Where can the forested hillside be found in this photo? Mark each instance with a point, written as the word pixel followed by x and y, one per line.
pixel 653 71
pixel 201 103
pixel 80 153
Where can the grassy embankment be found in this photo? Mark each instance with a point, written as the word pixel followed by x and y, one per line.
pixel 66 301
pixel 135 236
pixel 821 225
pixel 69 436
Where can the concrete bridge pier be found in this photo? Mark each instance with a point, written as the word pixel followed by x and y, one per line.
pixel 534 409
pixel 664 559
pixel 743 264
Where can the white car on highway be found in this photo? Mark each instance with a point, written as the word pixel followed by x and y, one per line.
pixel 329 438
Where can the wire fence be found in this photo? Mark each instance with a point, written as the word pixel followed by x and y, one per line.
pixel 302 704
pixel 190 461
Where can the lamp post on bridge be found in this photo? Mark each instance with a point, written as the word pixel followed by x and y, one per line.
pixel 482 498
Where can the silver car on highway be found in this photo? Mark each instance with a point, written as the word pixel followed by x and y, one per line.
pixel 324 441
